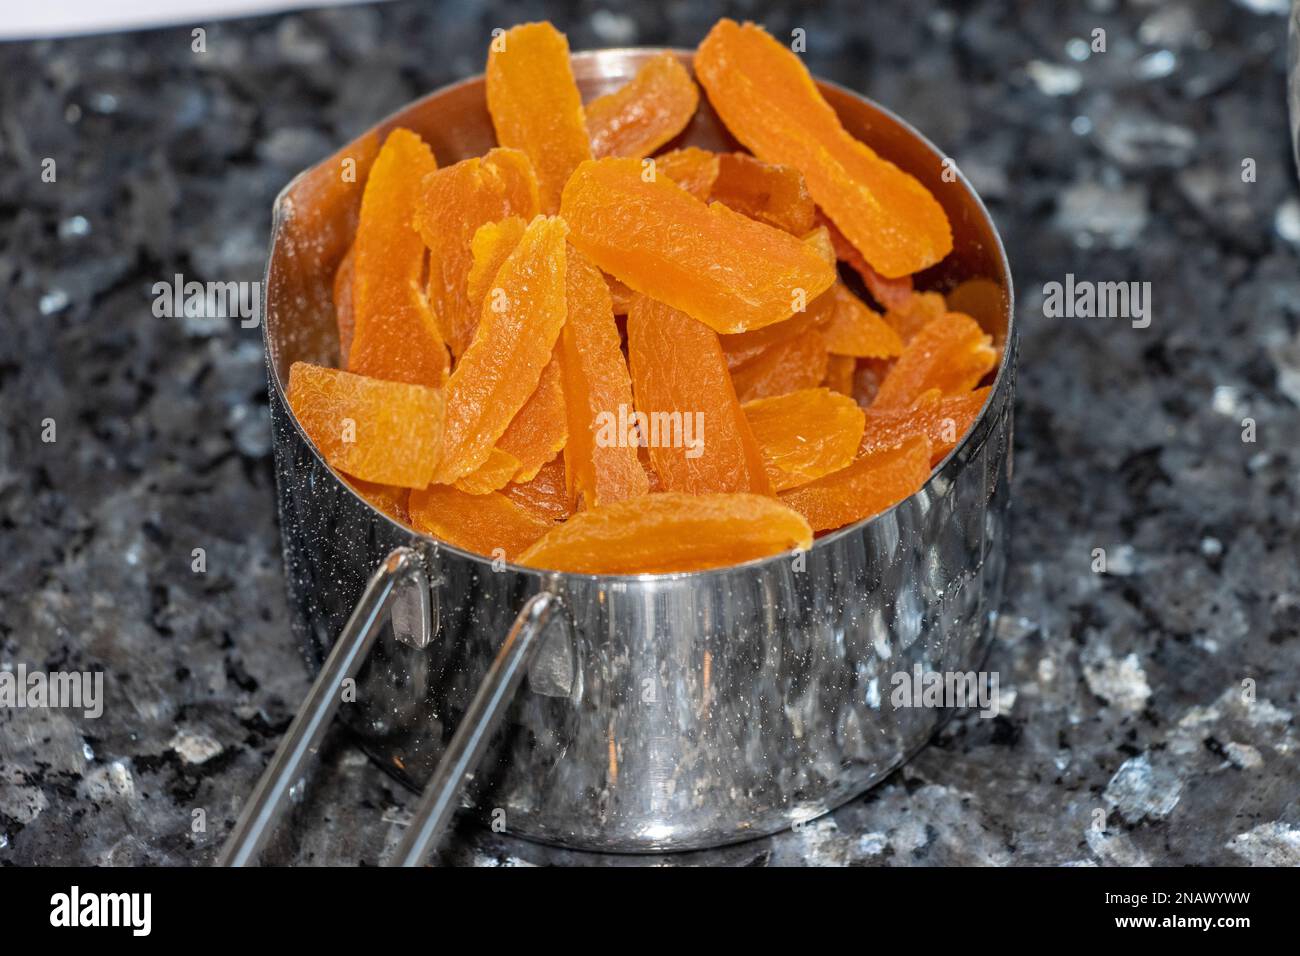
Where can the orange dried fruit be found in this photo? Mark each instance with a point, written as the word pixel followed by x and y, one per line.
pixel 717 266
pixel 644 113
pixel 383 432
pixel 545 494
pixel 491 246
pixel 395 336
pixel 688 413
pixel 819 239
pixel 540 429
pixel 343 276
pixel 839 374
pixel 806 434
pixel 389 499
pixel 503 364
pixel 692 168
pixel 915 313
pixel 535 104
pixel 670 533
pixel 867 378
pixel 870 485
pixel 493 475
pixel 768 100
pixel 491 525
pixel 787 366
pixel 888 293
pixel 855 329
pixel 620 295
pixel 746 346
pixel 453 203
pixel 768 192
pixel 600 466
pixel 951 354
pixel 945 420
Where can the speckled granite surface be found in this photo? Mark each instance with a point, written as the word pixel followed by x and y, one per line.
pixel 1122 165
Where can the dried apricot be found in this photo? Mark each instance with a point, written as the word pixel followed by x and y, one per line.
pixel 839 374
pixel 491 246
pixel 888 293
pixel 746 346
pixel 717 266
pixel 535 104
pixel 916 312
pixel 646 112
pixel 787 366
pixel 343 302
pixel 395 336
pixel 503 364
pixel 545 495
pixel 453 203
pixel 870 485
pixel 951 354
pixel 692 168
pixel 620 295
pixel 806 434
pixel 540 429
pixel 383 432
pixel 599 467
pixel 493 475
pixel 768 192
pixel 855 329
pixel 670 533
pixel 491 525
pixel 389 499
pixel 945 420
pixel 686 406
pixel 767 99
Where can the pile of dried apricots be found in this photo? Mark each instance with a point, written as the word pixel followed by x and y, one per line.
pixel 580 353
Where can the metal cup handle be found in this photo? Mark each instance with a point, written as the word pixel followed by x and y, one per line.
pixel 284 777
pixel 442 792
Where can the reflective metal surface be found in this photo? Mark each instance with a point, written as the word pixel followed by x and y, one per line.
pixel 666 712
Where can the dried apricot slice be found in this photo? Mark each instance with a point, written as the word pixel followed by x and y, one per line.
pixel 951 354
pixel 839 374
pixel 493 475
pixel 491 246
pixel 888 293
pixel 855 329
pixel 540 429
pixel 867 378
pixel 389 499
pixel 870 485
pixel 620 295
pixel 535 104
pixel 453 203
pixel 717 266
pixel 383 432
pixel 670 533
pixel 746 346
pixel 916 312
pixel 806 434
pixel 767 99
pixel 768 192
pixel 600 466
pixel 945 420
pixel 395 336
pixel 692 168
pixel 491 525
pixel 787 366
pixel 644 113
pixel 503 364
pixel 545 495
pixel 686 406
pixel 343 276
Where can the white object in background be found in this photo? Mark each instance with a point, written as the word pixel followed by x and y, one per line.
pixel 67 17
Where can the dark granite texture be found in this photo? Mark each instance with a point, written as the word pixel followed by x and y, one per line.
pixel 1123 165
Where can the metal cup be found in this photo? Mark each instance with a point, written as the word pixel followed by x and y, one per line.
pixel 626 713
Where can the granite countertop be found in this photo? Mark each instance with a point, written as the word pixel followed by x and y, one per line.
pixel 1162 692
